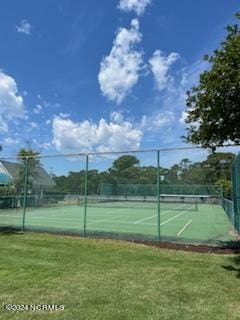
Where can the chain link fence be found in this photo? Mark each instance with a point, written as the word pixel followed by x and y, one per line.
pixel 181 195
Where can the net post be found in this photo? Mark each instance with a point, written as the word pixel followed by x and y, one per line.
pixel 25 192
pixel 158 195
pixel 196 205
pixel 85 198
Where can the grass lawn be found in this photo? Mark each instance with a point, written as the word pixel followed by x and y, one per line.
pixel 111 280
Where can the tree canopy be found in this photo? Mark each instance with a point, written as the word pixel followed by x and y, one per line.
pixel 32 163
pixel 125 162
pixel 213 107
pixel 33 157
pixel 214 170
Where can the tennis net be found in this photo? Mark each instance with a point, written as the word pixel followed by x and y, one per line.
pixel 169 202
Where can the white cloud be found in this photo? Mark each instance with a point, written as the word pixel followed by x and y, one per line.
pixel 119 71
pixel 33 125
pixel 86 136
pixel 160 66
pixel 190 78
pixel 117 117
pixel 64 115
pixel 10 141
pixel 138 6
pixel 3 125
pixel 11 104
pixel 157 121
pixel 37 109
pixel 45 145
pixel 24 27
pixel 183 117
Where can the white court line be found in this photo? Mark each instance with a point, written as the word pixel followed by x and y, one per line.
pixel 186 225
pixel 110 219
pixel 103 220
pixel 174 217
pixel 139 221
pixel 126 222
pixel 57 218
pixel 161 214
pixel 148 218
pixel 10 216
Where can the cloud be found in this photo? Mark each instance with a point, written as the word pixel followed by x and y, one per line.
pixel 11 104
pixel 119 71
pixel 157 121
pixel 24 27
pixel 33 124
pixel 138 6
pixel 189 78
pixel 160 66
pixel 183 117
pixel 37 109
pixel 86 136
pixel 117 117
pixel 3 125
pixel 10 141
pixel 116 135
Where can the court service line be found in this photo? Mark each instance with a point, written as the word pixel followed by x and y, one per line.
pixel 148 218
pixel 185 227
pixel 103 220
pixel 174 217
pixel 126 222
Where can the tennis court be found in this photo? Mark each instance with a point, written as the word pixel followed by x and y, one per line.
pixel 187 221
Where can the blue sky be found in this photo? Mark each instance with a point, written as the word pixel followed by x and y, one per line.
pixel 81 76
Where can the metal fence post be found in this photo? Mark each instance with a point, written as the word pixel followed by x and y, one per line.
pixel 85 198
pixel 158 195
pixel 235 191
pixel 25 192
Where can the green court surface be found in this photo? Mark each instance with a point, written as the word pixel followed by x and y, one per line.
pixel 208 224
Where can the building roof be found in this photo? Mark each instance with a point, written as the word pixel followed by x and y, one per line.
pixel 40 177
pixel 4 178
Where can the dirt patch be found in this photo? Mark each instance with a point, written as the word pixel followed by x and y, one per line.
pixel 231 248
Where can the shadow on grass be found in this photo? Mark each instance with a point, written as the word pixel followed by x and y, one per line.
pixel 9 231
pixel 235 266
pixel 234 246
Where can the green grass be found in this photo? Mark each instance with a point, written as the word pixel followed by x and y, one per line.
pixel 104 279
pixel 209 224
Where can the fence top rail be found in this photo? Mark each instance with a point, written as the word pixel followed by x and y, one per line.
pixel 113 152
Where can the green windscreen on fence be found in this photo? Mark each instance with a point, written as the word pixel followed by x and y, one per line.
pixel 236 191
pixel 151 189
pixel 229 209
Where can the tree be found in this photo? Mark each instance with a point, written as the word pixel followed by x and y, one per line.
pixel 173 174
pixel 33 161
pixel 218 166
pixel 226 187
pixel 194 174
pixel 213 110
pixel 125 162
